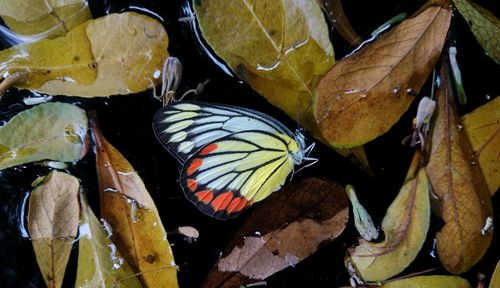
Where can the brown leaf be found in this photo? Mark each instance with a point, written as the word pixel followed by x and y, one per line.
pixel 286 229
pixel 363 95
pixel 53 218
pixel 460 186
pixel 130 211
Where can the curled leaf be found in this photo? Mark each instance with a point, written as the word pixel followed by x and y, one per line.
pixel 281 232
pixel 405 225
pixel 53 218
pixel 55 131
pixel 362 219
pixel 363 95
pixel 432 281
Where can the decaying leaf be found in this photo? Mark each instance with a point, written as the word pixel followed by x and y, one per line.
pixel 280 48
pixel 484 25
pixel 99 262
pixel 458 183
pixel 55 131
pixel 495 278
pixel 35 19
pixel 433 281
pixel 53 218
pixel 281 232
pixel 131 213
pixel 483 128
pixel 116 54
pixel 363 95
pixel 405 225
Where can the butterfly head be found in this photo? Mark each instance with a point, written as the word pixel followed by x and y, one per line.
pixel 303 151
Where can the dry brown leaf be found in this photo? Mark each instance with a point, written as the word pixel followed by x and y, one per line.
pixel 483 128
pixel 53 218
pixel 281 232
pixel 458 183
pixel 128 208
pixel 363 95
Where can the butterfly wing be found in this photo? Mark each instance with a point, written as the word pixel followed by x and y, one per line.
pixel 230 174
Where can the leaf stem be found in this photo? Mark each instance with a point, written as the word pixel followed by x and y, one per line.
pixel 13 79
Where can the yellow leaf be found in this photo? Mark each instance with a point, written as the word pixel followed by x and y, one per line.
pixel 434 281
pixel 458 183
pixel 405 225
pixel 99 262
pixel 35 19
pixel 363 95
pixel 495 278
pixel 280 48
pixel 130 211
pixel 53 222
pixel 483 128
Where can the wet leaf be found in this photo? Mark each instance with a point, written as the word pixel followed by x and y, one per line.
pixel 433 281
pixel 99 262
pixel 495 278
pixel 53 218
pixel 405 225
pixel 130 211
pixel 55 131
pixel 483 129
pixel 484 25
pixel 281 232
pixel 362 220
pixel 459 185
pixel 43 19
pixel 280 48
pixel 363 95
pixel 116 54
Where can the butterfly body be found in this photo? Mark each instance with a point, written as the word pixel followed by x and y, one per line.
pixel 231 157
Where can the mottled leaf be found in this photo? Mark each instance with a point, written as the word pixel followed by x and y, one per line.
pixel 281 232
pixel 459 185
pixel 131 213
pixel 53 218
pixel 363 95
pixel 433 281
pixel 483 129
pixel 405 225
pixel 55 131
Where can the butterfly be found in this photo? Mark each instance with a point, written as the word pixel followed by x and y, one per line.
pixel 231 157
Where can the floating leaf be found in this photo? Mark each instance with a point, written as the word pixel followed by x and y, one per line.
pixel 53 218
pixel 484 25
pixel 281 232
pixel 429 282
pixel 116 54
pixel 55 131
pixel 495 278
pixel 99 262
pixel 43 19
pixel 458 183
pixel 363 95
pixel 280 48
pixel 405 225
pixel 483 128
pixel 130 211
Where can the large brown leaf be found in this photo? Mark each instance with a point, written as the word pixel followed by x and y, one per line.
pixel 53 218
pixel 363 95
pixel 286 229
pixel 457 181
pixel 130 211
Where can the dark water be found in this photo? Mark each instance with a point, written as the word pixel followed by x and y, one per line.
pixel 126 123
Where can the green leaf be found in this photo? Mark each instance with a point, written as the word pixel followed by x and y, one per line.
pixel 55 131
pixel 429 282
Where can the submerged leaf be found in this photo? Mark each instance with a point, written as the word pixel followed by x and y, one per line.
pixel 405 225
pixel 116 54
pixel 432 281
pixel 280 48
pixel 281 232
pixel 484 25
pixel 99 262
pixel 130 211
pixel 458 183
pixel 55 131
pixel 53 222
pixel 363 95
pixel 483 128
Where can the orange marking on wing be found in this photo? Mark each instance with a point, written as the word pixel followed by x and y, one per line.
pixel 236 205
pixel 195 164
pixel 209 148
pixel 205 196
pixel 192 184
pixel 220 202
